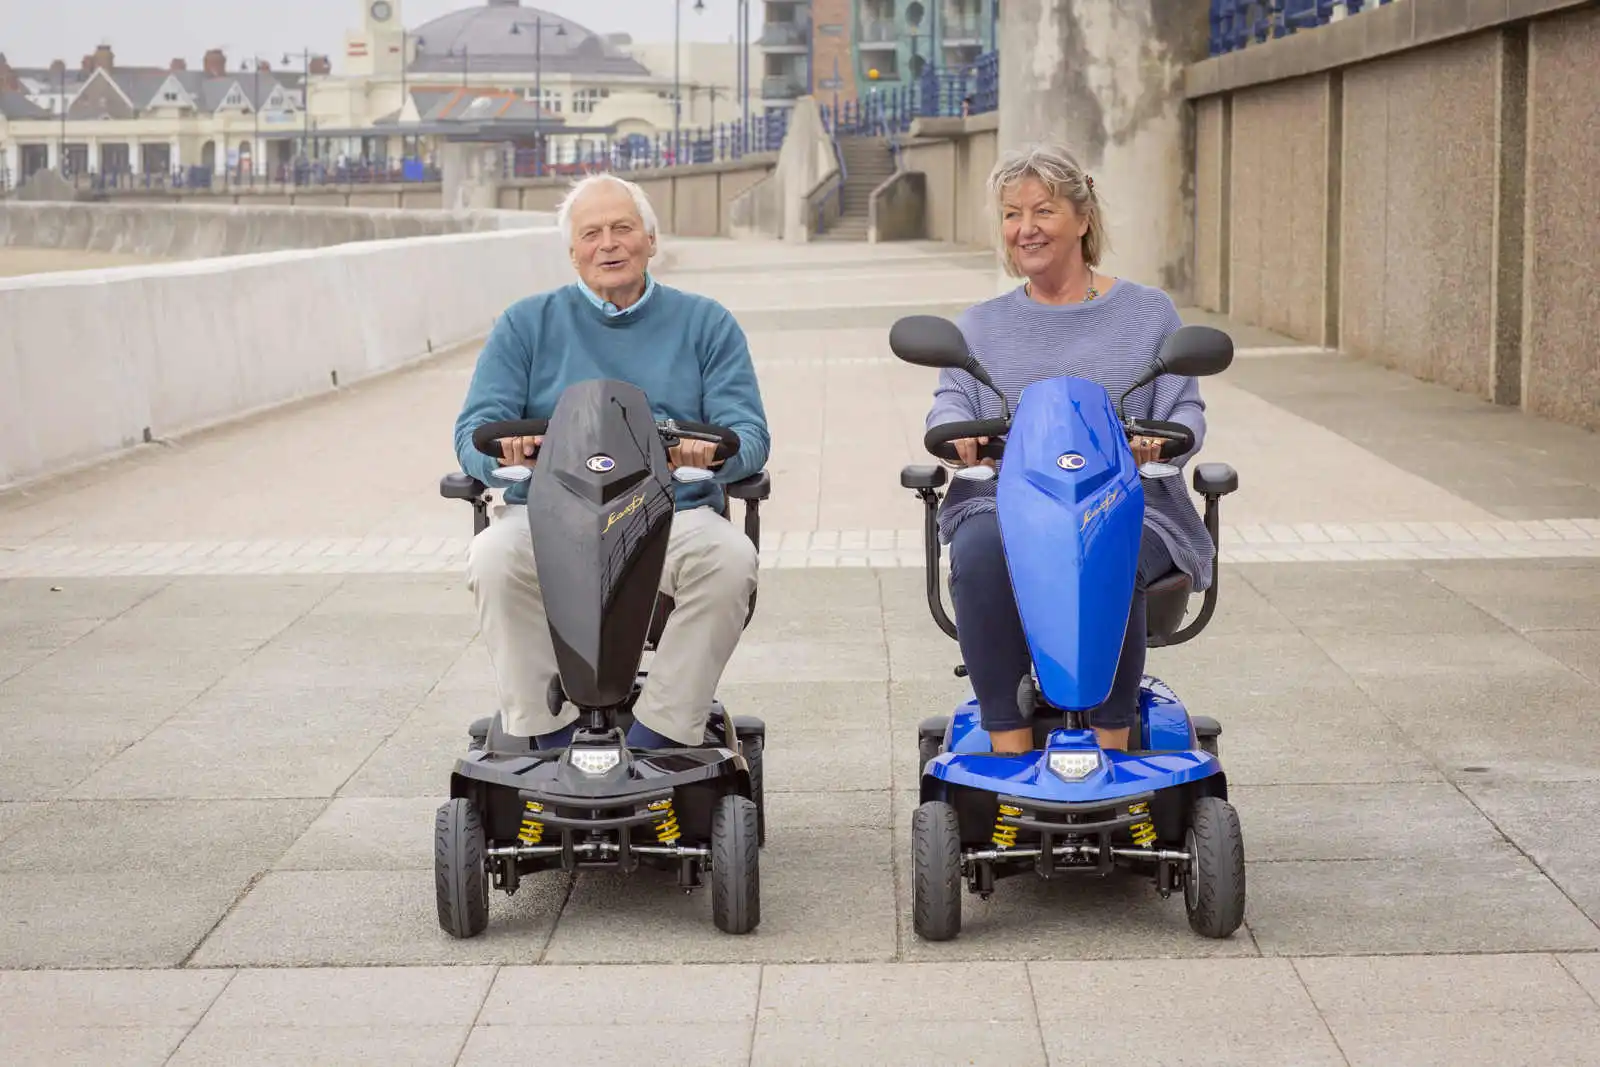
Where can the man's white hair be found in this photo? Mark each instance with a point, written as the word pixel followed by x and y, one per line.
pixel 640 201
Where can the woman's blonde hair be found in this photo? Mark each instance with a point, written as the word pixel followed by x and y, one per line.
pixel 1059 171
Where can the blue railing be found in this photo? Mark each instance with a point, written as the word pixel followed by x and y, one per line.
pixel 723 143
pixel 1237 23
pixel 972 89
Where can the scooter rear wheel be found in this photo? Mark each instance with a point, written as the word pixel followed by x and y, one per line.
pixel 735 865
pixel 1213 890
pixel 936 877
pixel 460 870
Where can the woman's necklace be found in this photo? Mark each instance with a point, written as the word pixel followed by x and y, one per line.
pixel 1090 292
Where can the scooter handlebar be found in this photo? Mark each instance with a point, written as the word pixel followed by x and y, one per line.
pixel 940 440
pixel 486 438
pixel 1176 438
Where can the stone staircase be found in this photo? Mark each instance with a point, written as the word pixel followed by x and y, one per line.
pixel 867 164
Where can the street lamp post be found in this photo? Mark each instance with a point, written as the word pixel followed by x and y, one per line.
pixel 677 47
pixel 538 84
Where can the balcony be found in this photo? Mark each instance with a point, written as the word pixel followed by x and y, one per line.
pixel 878 33
pixel 961 27
pixel 782 87
pixel 784 36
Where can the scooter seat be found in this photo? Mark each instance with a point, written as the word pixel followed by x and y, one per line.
pixel 1166 601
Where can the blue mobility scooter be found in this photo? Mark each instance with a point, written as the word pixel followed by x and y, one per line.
pixel 600 505
pixel 1071 503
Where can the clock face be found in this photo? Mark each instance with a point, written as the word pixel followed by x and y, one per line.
pixel 381 11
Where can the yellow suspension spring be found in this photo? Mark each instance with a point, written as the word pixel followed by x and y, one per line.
pixel 667 831
pixel 1144 832
pixel 1005 836
pixel 532 831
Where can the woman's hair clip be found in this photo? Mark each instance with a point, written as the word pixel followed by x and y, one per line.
pixel 1090 179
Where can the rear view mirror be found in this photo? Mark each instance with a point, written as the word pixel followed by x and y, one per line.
pixel 929 341
pixel 1190 352
pixel 1196 351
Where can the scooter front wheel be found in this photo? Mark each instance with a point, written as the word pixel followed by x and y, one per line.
pixel 460 869
pixel 735 865
pixel 1213 889
pixel 936 878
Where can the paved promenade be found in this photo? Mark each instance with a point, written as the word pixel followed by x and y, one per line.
pixel 235 670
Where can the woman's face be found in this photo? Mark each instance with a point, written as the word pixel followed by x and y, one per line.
pixel 1042 232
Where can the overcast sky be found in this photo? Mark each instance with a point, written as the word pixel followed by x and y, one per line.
pixel 154 32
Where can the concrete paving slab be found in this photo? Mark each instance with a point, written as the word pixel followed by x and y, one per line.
pixel 1495 902
pixel 1365 599
pixel 1578 650
pixel 414 761
pixel 226 839
pixel 321 998
pixel 367 834
pixel 816 710
pixel 896 1044
pixel 846 877
pixel 1585 970
pixel 849 760
pixel 109 918
pixel 1458 1040
pixel 1459 985
pixel 1549 821
pixel 14 814
pixel 39 600
pixel 22 644
pixel 283 744
pixel 609 1044
pixel 1528 596
pixel 631 995
pixel 46 752
pixel 384 918
pixel 411 1046
pixel 1361 822
pixel 1242 1011
pixel 103 1046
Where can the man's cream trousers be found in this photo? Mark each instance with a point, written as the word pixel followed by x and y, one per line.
pixel 710 573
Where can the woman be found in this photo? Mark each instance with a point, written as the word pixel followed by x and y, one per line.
pixel 1067 319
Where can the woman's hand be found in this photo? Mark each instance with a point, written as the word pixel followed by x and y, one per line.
pixel 1145 449
pixel 967 449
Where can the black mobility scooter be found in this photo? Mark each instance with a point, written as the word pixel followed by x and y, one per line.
pixel 600 505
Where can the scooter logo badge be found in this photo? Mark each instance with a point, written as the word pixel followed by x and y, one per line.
pixel 633 505
pixel 600 464
pixel 1070 461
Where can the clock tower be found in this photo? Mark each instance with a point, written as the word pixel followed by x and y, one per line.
pixel 379 47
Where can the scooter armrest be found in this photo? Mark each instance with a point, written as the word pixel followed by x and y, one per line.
pixel 757 486
pixel 459 486
pixel 1215 479
pixel 922 476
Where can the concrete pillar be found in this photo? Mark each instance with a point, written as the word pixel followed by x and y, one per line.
pixel 1107 79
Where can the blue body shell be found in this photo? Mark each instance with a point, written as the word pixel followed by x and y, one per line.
pixel 1071 511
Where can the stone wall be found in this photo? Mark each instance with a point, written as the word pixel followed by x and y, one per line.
pixel 1418 186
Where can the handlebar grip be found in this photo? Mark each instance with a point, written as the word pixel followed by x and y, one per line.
pixel 728 441
pixel 939 440
pixel 486 438
pixel 1176 437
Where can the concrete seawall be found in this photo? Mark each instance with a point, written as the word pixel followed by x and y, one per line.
pixel 197 231
pixel 94 362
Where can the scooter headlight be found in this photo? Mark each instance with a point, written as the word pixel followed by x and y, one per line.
pixel 1074 764
pixel 595 760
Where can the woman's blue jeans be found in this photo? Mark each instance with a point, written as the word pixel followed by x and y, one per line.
pixel 989 627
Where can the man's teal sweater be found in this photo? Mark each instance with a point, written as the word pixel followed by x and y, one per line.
pixel 684 351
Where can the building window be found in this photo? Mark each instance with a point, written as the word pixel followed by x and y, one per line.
pixel 585 101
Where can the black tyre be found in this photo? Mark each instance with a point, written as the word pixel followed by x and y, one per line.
pixel 1213 891
pixel 735 865
pixel 927 749
pixel 460 869
pixel 936 875
pixel 752 754
pixel 1212 745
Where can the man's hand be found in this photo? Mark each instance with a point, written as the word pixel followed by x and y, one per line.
pixel 689 453
pixel 967 449
pixel 518 451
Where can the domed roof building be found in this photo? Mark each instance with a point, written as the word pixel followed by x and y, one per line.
pixel 502 36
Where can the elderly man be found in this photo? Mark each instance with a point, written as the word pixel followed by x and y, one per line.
pixel 690 358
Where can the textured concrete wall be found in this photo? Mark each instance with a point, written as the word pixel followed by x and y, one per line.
pixel 1417 185
pixel 1279 206
pixel 167 231
pixel 1561 364
pixel 154 352
pixel 897 209
pixel 1108 79
pixel 955 157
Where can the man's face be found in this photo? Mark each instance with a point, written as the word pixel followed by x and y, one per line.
pixel 610 247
